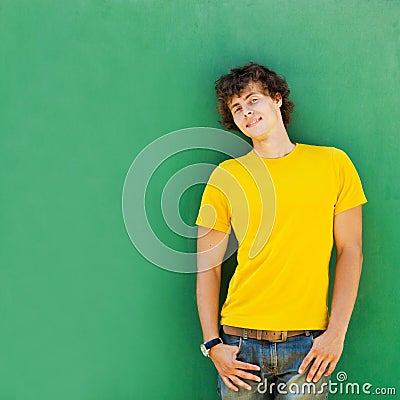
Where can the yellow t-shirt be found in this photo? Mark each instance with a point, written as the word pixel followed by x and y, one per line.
pixel 281 211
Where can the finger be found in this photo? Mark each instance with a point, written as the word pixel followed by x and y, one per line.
pixel 307 359
pixel 229 384
pixel 243 365
pixel 247 375
pixel 331 368
pixel 313 370
pixel 321 370
pixel 239 382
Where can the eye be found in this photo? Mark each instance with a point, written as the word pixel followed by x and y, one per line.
pixel 254 99
pixel 236 109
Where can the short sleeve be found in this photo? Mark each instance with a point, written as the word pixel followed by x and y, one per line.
pixel 214 210
pixel 350 192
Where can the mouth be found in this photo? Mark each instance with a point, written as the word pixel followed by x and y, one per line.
pixel 253 122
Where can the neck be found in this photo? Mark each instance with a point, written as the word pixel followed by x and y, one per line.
pixel 274 146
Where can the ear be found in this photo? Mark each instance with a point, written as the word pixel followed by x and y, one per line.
pixel 278 99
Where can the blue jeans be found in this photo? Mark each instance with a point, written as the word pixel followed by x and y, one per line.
pixel 279 363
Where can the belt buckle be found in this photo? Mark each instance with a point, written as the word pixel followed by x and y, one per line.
pixel 283 338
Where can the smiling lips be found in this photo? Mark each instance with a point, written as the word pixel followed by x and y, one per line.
pixel 253 122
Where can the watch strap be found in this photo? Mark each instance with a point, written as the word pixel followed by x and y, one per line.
pixel 211 343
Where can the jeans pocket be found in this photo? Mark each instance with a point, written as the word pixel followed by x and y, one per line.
pixel 315 333
pixel 232 340
pixel 240 345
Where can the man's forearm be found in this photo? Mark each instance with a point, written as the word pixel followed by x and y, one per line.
pixel 347 277
pixel 208 287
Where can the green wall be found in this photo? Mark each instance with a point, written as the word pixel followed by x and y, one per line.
pixel 84 87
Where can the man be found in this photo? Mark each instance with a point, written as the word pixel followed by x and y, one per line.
pixel 286 202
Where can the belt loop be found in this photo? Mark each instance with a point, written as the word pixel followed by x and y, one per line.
pixel 244 333
pixel 259 334
pixel 284 336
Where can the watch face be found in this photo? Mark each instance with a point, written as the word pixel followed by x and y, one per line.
pixel 204 350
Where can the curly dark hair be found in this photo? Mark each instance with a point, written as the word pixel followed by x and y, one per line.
pixel 234 83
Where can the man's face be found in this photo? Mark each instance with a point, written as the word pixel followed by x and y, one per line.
pixel 254 112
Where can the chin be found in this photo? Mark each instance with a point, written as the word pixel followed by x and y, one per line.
pixel 255 134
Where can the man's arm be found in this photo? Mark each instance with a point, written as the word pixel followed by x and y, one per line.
pixel 328 347
pixel 211 247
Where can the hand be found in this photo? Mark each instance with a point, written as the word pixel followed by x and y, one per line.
pixel 230 369
pixel 326 351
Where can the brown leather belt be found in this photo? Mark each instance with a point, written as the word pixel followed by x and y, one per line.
pixel 272 336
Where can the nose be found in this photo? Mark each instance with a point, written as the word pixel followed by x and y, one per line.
pixel 247 112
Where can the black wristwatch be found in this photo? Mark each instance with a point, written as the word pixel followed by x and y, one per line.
pixel 205 347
